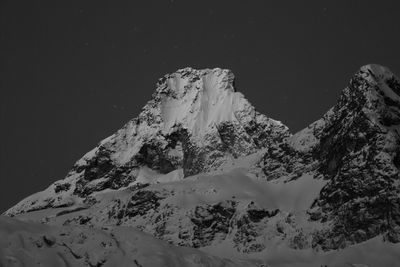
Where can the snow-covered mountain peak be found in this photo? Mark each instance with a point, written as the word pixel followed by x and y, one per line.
pixel 194 123
pixel 197 100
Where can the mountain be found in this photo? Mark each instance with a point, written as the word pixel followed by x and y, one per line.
pixel 194 123
pixel 200 167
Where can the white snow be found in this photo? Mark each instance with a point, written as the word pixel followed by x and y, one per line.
pixel 209 189
pixel 203 104
pixel 147 175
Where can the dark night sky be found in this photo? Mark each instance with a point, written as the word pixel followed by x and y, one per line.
pixel 71 73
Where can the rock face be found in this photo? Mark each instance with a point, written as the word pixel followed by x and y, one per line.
pixel 357 147
pixel 200 167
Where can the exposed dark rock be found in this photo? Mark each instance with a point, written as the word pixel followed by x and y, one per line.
pixel 62 187
pixel 258 215
pixel 360 159
pixel 99 165
pixel 211 220
pixel 282 160
pixel 140 203
pixel 49 240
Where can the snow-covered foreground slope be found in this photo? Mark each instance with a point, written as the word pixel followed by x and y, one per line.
pixel 31 244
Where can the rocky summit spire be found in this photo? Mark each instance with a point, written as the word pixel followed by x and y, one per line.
pixel 373 95
pixel 194 122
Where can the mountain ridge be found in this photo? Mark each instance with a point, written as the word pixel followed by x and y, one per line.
pixel 155 140
pixel 194 173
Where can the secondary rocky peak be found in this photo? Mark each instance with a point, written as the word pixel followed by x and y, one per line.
pixel 356 144
pixel 372 98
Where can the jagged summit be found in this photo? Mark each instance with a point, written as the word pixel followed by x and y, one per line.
pixel 377 70
pixel 197 100
pixel 192 74
pixel 384 81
